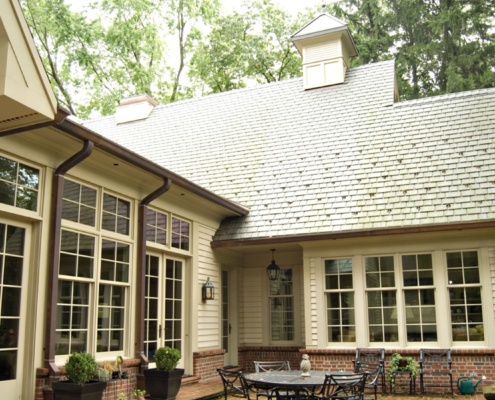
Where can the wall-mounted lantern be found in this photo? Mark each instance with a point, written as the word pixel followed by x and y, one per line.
pixel 208 290
pixel 273 269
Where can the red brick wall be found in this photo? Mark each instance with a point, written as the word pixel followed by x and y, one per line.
pixel 114 386
pixel 205 363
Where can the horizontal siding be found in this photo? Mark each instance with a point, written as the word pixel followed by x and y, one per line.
pixel 209 314
pixel 251 327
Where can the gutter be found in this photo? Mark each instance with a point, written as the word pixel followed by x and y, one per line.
pixel 141 267
pixel 78 131
pixel 54 248
pixel 218 244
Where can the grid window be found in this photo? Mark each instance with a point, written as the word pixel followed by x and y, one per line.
pixel 163 304
pixel 19 184
pixel 152 325
pixel 11 271
pixel 77 254
pixel 72 317
pixel 382 303
pixel 282 306
pixel 116 214
pixel 156 227
pixel 340 300
pixel 173 303
pixel 111 317
pixel 180 233
pixel 465 296
pixel 419 297
pixel 79 203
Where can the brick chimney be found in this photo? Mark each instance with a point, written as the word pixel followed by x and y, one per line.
pixel 134 108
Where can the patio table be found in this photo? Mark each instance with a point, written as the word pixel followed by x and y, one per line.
pixel 291 381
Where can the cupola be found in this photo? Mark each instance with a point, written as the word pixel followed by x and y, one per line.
pixel 326 46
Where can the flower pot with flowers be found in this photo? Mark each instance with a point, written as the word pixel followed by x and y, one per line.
pixel 163 382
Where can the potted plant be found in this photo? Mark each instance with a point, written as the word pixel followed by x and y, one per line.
pixel 399 363
pixel 138 394
pixel 105 371
pixel 163 382
pixel 81 370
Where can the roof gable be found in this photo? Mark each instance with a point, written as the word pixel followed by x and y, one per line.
pixel 26 97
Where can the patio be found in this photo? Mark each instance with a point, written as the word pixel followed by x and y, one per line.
pixel 213 389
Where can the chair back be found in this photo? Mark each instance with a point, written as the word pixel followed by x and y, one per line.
pixel 435 360
pixel 344 386
pixel 234 384
pixel 266 366
pixel 369 356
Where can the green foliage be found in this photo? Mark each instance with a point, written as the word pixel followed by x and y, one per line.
pixel 167 358
pixel 81 368
pixel 440 46
pixel 395 365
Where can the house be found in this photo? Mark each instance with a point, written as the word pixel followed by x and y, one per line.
pixel 379 214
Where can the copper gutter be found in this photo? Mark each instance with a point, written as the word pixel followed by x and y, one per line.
pixel 54 247
pixel 141 270
pixel 83 133
pixel 62 114
pixel 217 244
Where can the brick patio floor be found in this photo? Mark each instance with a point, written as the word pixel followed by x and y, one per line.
pixel 213 389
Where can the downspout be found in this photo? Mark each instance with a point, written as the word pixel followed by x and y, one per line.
pixel 54 256
pixel 141 270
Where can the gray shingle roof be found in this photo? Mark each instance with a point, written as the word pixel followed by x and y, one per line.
pixel 339 158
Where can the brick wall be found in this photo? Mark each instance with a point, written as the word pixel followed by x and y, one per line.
pixel 205 363
pixel 114 386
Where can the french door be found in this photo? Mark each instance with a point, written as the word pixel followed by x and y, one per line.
pixel 13 273
pixel 164 304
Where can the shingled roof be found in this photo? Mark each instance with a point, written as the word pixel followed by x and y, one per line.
pixel 343 158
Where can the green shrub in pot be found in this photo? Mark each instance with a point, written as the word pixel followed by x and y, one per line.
pixel 81 368
pixel 167 358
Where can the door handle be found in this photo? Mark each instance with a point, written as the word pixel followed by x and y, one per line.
pixel 230 328
pixel 160 331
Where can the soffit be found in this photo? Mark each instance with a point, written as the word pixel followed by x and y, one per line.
pixel 26 97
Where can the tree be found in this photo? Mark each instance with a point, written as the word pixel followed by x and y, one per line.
pixel 254 45
pixel 441 46
pixel 63 37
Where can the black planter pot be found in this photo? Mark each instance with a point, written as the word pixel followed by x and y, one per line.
pixel 163 385
pixel 66 390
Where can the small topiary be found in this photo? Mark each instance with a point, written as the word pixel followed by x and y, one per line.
pixel 81 368
pixel 167 358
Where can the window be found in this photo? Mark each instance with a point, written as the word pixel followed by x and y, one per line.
pixel 465 296
pixel 164 298
pixel 382 299
pixel 340 300
pixel 156 227
pixel 419 297
pixel 94 273
pixel 180 233
pixel 282 307
pixel 114 277
pixel 79 203
pixel 19 184
pixel 116 214
pixel 158 231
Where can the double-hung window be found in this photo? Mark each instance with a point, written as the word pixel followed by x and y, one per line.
pixel 464 287
pixel 339 290
pixel 282 306
pixel 94 271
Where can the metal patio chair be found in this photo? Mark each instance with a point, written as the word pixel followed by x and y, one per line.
pixel 435 363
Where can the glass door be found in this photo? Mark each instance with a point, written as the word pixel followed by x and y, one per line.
pixel 13 262
pixel 164 304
